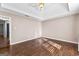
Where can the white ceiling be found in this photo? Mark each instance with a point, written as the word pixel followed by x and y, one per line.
pixel 50 10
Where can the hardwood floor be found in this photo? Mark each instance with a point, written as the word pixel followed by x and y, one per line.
pixel 41 47
pixel 78 52
pixel 3 42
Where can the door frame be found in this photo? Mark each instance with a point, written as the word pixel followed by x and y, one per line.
pixel 7 19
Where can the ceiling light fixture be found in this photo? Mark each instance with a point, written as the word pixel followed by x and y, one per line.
pixel 41 4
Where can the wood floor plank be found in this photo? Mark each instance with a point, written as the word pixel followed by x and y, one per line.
pixel 40 47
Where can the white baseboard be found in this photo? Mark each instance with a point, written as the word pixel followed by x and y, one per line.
pixel 45 37
pixel 12 43
pixel 63 40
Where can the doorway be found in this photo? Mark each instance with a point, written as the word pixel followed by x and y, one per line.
pixel 4 33
pixel 8 30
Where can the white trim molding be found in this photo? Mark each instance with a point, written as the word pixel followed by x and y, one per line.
pixel 5 17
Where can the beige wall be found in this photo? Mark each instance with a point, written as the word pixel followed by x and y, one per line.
pixel 1 29
pixel 60 29
pixel 77 30
pixel 23 28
